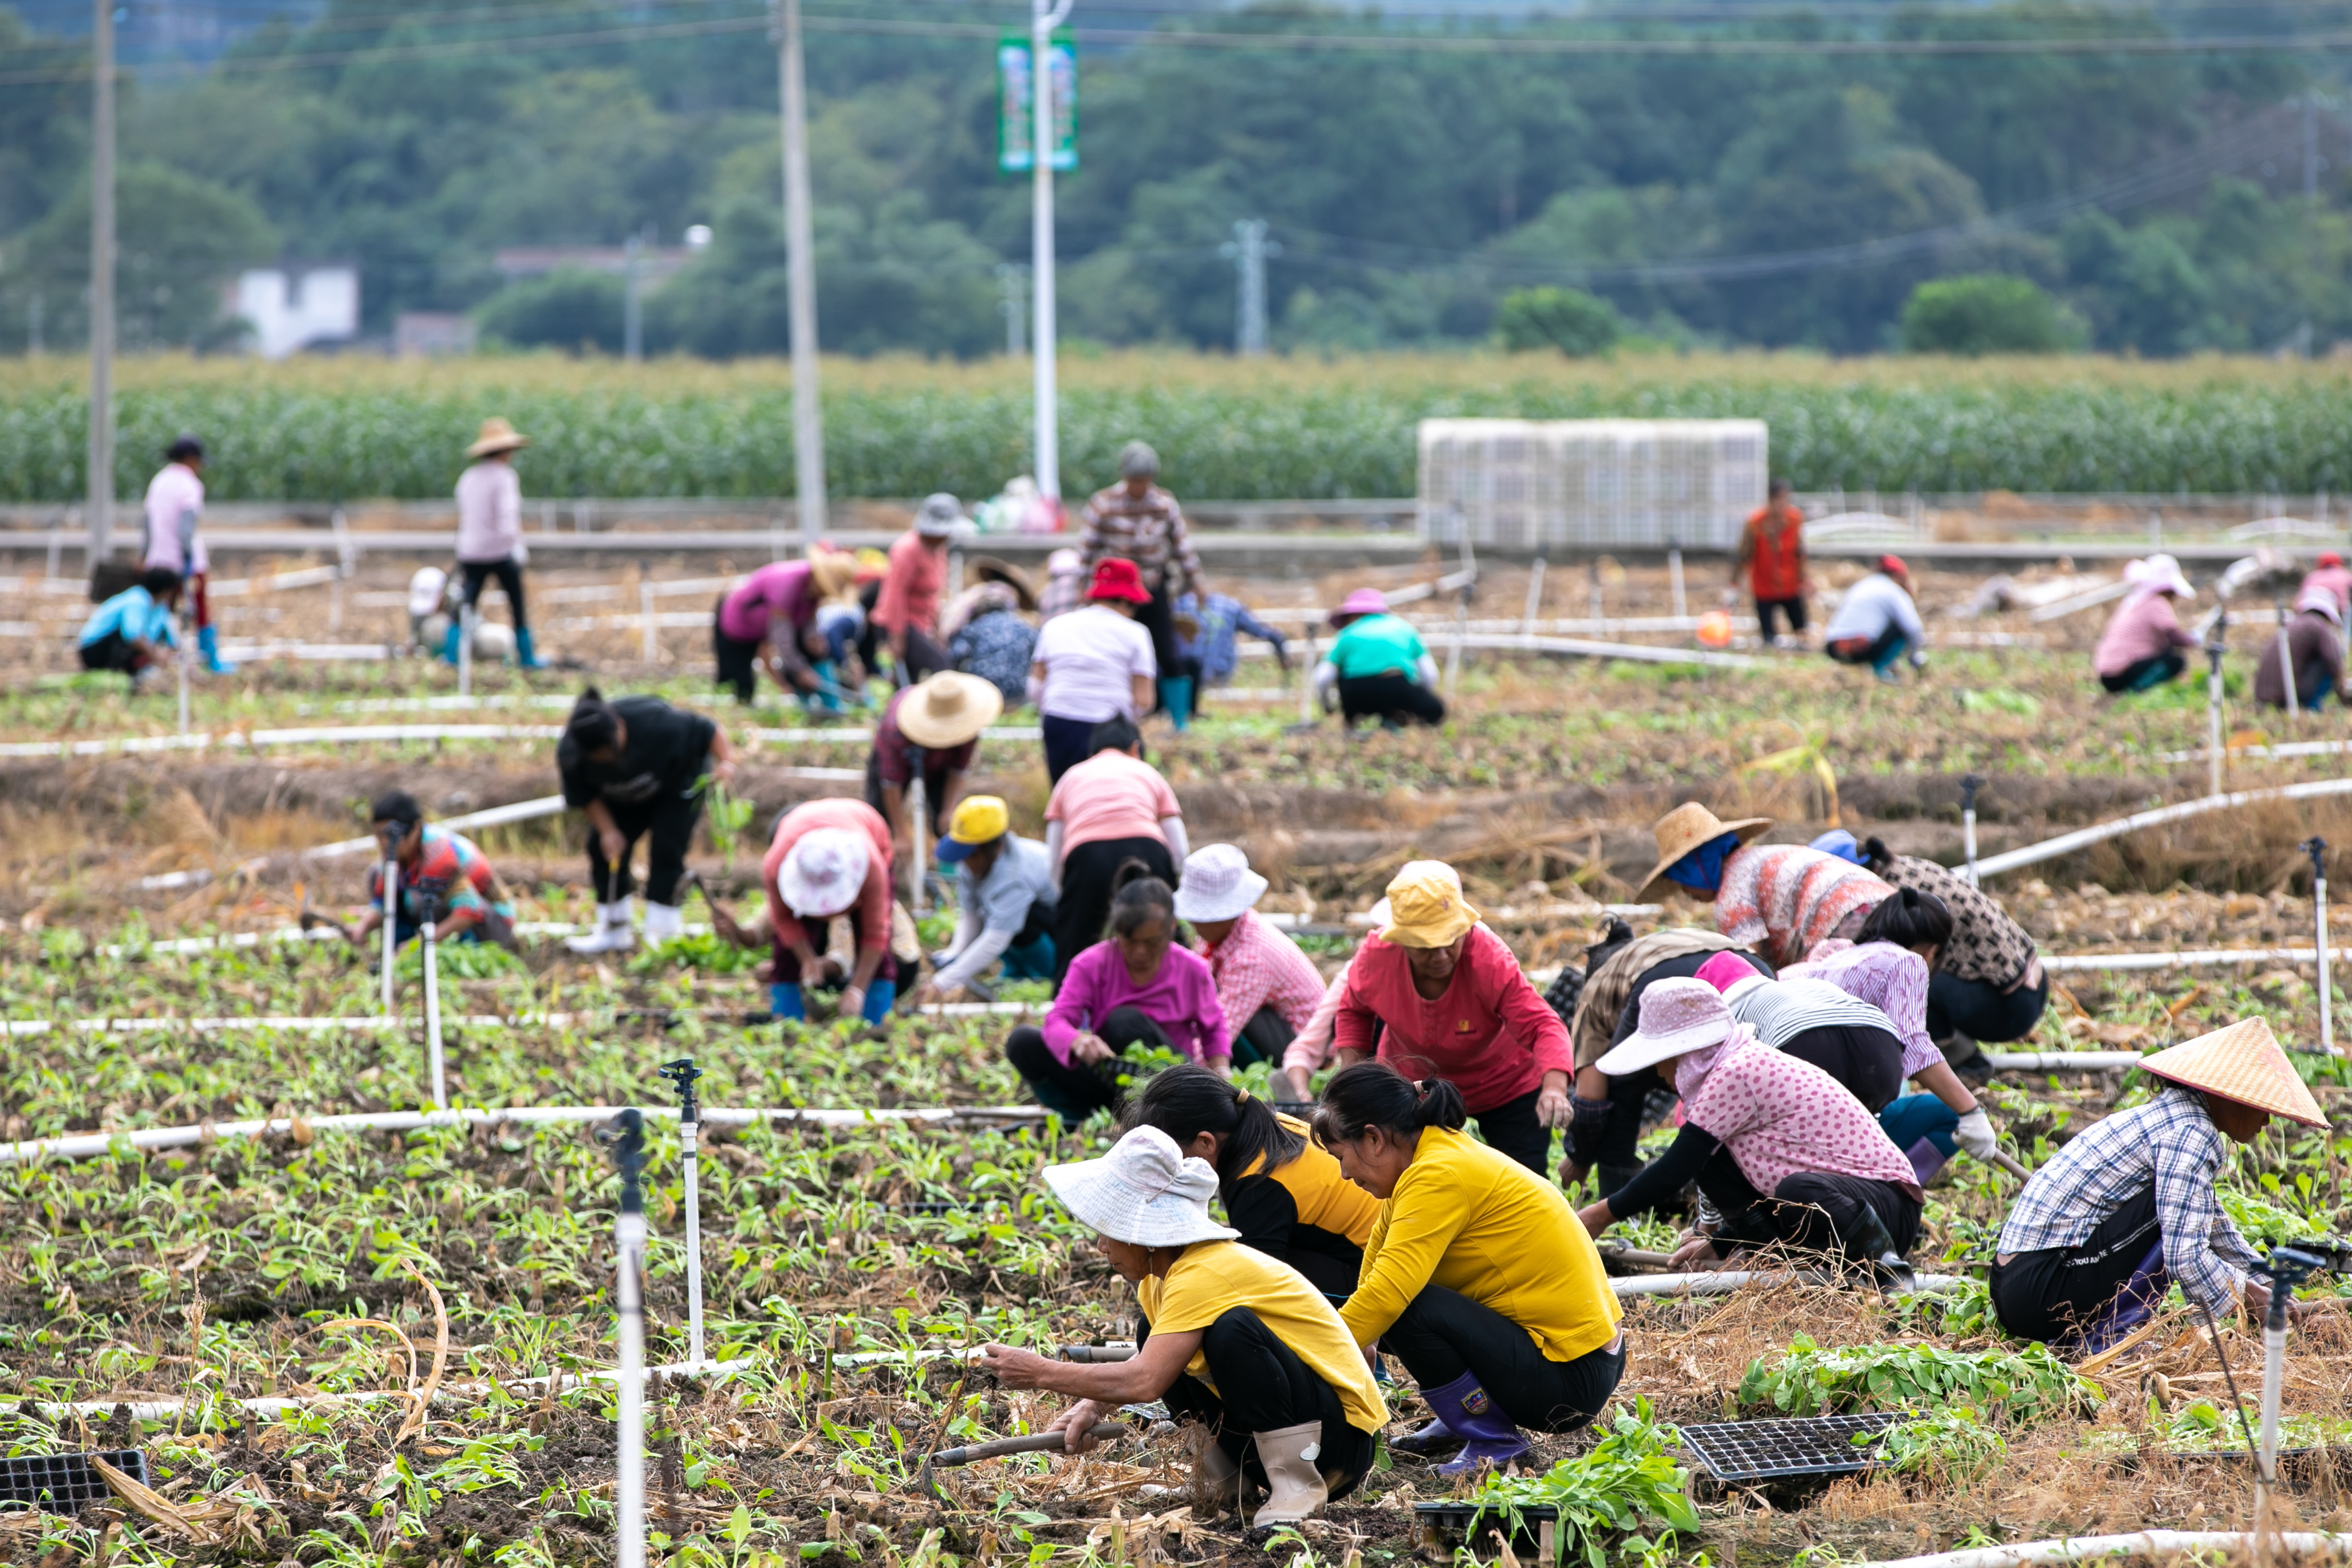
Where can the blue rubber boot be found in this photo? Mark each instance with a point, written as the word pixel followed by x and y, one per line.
pixel 208 643
pixel 449 641
pixel 1176 695
pixel 1488 1437
pixel 527 655
pixel 784 1002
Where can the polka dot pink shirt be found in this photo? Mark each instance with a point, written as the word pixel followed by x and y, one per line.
pixel 1780 1117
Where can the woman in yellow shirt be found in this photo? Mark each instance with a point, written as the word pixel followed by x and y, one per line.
pixel 1281 1189
pixel 1478 1276
pixel 1230 1337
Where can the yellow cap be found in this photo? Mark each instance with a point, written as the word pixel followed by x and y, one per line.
pixel 1426 906
pixel 978 819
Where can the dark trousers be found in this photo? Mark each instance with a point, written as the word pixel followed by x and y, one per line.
pixel 1795 609
pixel 670 820
pixel 1263 1038
pixel 2141 674
pixel 510 575
pixel 788 962
pixel 1444 1334
pixel 1868 1062
pixel 1879 654
pixel 738 661
pixel 1511 1129
pixel 1155 616
pixel 1978 1009
pixel 1085 909
pixel 1077 1090
pixel 924 658
pixel 2057 1291
pixel 1265 1388
pixel 113 651
pixel 1617 1156
pixel 935 790
pixel 1068 742
pixel 1394 697
pixel 1811 1212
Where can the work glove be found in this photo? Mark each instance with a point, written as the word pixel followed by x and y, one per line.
pixel 1975 1134
pixel 1919 658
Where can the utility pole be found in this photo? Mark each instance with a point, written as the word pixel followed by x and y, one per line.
pixel 100 502
pixel 2310 147
pixel 633 334
pixel 1247 250
pixel 1045 17
pixel 800 264
pixel 1009 275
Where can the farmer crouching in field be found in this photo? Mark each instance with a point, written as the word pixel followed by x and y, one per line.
pixel 1875 622
pixel 1476 1275
pixel 1378 665
pixel 1228 1337
pixel 1779 899
pixel 930 731
pixel 1987 981
pixel 637 767
pixel 906 611
pixel 1112 808
pixel 1784 1153
pixel 1134 990
pixel 138 629
pixel 770 620
pixel 1269 989
pixel 443 877
pixel 2313 645
pixel 829 858
pixel 2142 646
pixel 1439 996
pixel 1004 903
pixel 1281 1189
pixel 2126 1209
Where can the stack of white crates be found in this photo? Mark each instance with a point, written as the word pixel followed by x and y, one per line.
pixel 1534 484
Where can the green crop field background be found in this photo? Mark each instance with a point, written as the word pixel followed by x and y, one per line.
pixel 1303 428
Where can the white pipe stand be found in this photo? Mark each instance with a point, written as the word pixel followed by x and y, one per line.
pixel 433 1021
pixel 391 925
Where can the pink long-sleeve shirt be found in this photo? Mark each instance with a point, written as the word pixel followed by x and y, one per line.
pixel 1182 998
pixel 2142 628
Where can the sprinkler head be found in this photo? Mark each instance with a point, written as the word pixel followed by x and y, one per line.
pixel 682 1073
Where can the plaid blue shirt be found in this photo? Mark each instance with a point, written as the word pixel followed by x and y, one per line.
pixel 2170 1141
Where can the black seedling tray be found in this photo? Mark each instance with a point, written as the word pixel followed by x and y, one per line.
pixel 1745 1451
pixel 64 1483
pixel 1444 1525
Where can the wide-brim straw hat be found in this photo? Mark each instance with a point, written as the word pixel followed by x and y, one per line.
pixel 1678 1017
pixel 989 569
pixel 1146 1192
pixel 2242 1062
pixel 948 709
pixel 497 436
pixel 1686 827
pixel 834 573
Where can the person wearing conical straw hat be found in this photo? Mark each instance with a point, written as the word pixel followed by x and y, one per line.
pixel 928 730
pixel 1231 1338
pixel 1779 899
pixel 2127 1209
pixel 770 618
pixel 489 531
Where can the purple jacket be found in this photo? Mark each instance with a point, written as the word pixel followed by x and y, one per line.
pixel 1182 999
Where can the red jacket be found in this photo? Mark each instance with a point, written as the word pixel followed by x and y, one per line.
pixel 1776 557
pixel 1490 1035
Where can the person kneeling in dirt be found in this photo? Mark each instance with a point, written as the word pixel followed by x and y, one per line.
pixel 1986 983
pixel 2127 1209
pixel 131 633
pixel 443 877
pixel 829 858
pixel 1281 1188
pixel 1475 1275
pixel 1004 902
pixel 1785 1154
pixel 1378 665
pixel 1228 1337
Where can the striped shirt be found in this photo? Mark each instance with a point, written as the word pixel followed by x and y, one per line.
pixel 1780 1010
pixel 1890 978
pixel 1783 898
pixel 1257 966
pixel 1148 530
pixel 2171 1142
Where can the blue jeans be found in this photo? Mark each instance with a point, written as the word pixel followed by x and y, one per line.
pixel 1880 655
pixel 785 1001
pixel 1921 1126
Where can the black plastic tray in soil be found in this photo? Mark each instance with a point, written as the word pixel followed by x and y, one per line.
pixel 1443 1526
pixel 64 1483
pixel 1744 1452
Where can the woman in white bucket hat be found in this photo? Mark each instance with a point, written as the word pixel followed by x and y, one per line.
pixel 1228 1337
pixel 1269 989
pixel 831 858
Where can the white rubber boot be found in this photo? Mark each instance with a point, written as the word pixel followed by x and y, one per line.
pixel 611 934
pixel 1296 1490
pixel 662 921
pixel 1218 1486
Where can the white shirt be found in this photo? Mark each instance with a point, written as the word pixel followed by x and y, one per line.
pixel 1870 606
pixel 489 513
pixel 1091 657
pixel 175 502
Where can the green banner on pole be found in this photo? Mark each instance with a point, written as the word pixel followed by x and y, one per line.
pixel 1016 116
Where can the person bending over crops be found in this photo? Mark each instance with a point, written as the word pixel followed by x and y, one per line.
pixel 1876 622
pixel 1378 667
pixel 2127 1209
pixel 1269 989
pixel 1281 1189
pixel 637 767
pixel 1779 899
pixel 444 878
pixel 1889 968
pixel 931 732
pixel 1784 1153
pixel 2331 577
pixel 2142 645
pixel 1004 902
pixel 770 619
pixel 1111 808
pixel 2313 646
pixel 1311 1049
pixel 1441 996
pixel 1135 989
pixel 136 630
pixel 1476 1275
pixel 829 858
pixel 1228 1338
pixel 906 611
pixel 1814 1021
pixel 1987 981
pixel 1091 667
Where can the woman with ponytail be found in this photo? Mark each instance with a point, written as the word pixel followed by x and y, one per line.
pixel 1283 1191
pixel 1988 984
pixel 1477 1276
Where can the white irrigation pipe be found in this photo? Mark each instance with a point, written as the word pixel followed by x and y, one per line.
pixel 447 1394
pixel 629 1244
pixel 2091 600
pixel 85 1145
pixel 322 653
pixel 2158 1543
pixel 2259 753
pixel 2067 843
pixel 257 739
pixel 2063 1061
pixel 851 735
pixel 1723 1281
pixel 2193 958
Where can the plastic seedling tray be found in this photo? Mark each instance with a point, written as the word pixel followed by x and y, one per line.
pixel 64 1483
pixel 1743 1451
pixel 1446 1525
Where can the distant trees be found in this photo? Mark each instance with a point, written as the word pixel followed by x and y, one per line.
pixel 1986 314
pixel 1576 323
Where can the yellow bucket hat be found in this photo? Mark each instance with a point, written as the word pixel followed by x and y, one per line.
pixel 1427 908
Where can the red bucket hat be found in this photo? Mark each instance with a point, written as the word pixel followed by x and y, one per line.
pixel 1118 578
